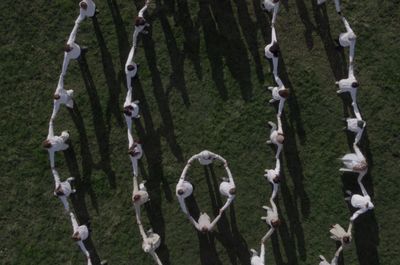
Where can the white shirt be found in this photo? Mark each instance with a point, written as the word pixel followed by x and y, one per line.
pixel 204 222
pixel 83 234
pixel 275 132
pixel 258 260
pixel 272 215
pixel 75 52
pixel 65 188
pixel 348 38
pixel 139 153
pixel 269 54
pixel 57 143
pixel 276 96
pixel 271 174
pixel 130 74
pixel 89 12
pixel 135 109
pixel 363 203
pixel 225 187
pixel 187 188
pixel 353 160
pixel 352 125
pixel 65 97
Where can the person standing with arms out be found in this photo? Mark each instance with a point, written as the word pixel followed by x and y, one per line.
pixel 279 93
pixel 276 136
pixel 62 96
pixel 271 51
pixel 62 189
pixel 273 176
pixel 228 189
pixel 55 143
pixel 81 233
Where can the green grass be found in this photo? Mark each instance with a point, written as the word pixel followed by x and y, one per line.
pixel 214 53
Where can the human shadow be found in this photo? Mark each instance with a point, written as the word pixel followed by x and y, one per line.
pixel 191 45
pixel 167 129
pixel 213 47
pixel 261 21
pixel 102 135
pixel 250 35
pixel 114 88
pixel 78 199
pixel 177 77
pixel 228 232
pixel 87 160
pixel 233 48
pixel 305 19
pixel 336 56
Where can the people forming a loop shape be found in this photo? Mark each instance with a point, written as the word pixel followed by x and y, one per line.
pixel 184 189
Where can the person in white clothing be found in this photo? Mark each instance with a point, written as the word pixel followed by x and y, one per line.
pixel 337 5
pixel 357 126
pixel 273 176
pixel 151 241
pixel 140 23
pixel 271 6
pixel 131 68
pixel 276 136
pixel 131 109
pixel 206 157
pixel 62 96
pixel 227 188
pixel 271 51
pixel 62 189
pixel 139 195
pixel 258 259
pixel 204 224
pixel 81 233
pixel 272 219
pixel 87 8
pixel 71 49
pixel 183 190
pixel 349 84
pixel 339 234
pixel 279 93
pixel 348 39
pixel 135 152
pixel 334 260
pixel 354 162
pixel 55 143
pixel 362 202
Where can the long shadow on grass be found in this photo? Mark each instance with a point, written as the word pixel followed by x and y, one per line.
pixel 191 45
pixel 336 58
pixel 78 198
pixel 177 77
pixel 233 48
pixel 262 21
pixel 87 160
pixel 102 135
pixel 309 26
pixel 366 230
pixel 114 88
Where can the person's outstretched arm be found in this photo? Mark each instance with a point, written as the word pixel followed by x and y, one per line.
pixel 73 221
pixel 273 205
pixel 275 13
pixel 228 202
pixel 142 232
pixel 359 180
pixel 336 257
pixel 281 105
pixel 274 191
pixel 280 130
pixel 56 177
pixel 64 202
pixel 357 213
pixel 72 36
pixel 182 203
pixel 128 98
pixel 358 136
pixel 273 35
pixel 358 151
pixel 83 248
pixel 350 228
pixel 262 253
pixel 346 24
pixel 194 222
pixel 51 130
pixel 215 220
pixel 144 8
pixel 278 166
pixel 268 234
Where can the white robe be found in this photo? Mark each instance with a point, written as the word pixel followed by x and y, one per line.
pixel 258 259
pixel 74 53
pixel 83 234
pixel 348 38
pixel 65 188
pixel 271 174
pixel 224 189
pixel 65 97
pixel 187 188
pixel 57 143
pixel 275 132
pixel 204 222
pixel 89 12
pixel 353 160
pixel 352 125
pixel 269 54
pixel 276 96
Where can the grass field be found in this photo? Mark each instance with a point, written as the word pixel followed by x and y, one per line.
pixel 201 86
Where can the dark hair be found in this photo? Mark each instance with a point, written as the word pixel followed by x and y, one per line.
pixel 346 239
pixel 46 144
pixel 139 21
pixel 83 5
pixel 284 93
pixel 127 112
pixel 277 179
pixel 56 96
pixel 275 223
pixel 360 123
pixel 204 229
pixel 59 192
pixel 136 197
pixel 67 48
pixel 232 191
pixel 130 67
pixel 274 49
pixel 180 191
pixel 354 84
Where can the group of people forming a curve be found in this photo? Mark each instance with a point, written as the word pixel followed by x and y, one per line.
pixel 279 94
pixel 151 241
pixel 184 189
pixel 53 143
pixel 353 162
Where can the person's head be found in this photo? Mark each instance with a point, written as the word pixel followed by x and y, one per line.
pixel 361 166
pixel 56 96
pixel 140 21
pixel 83 5
pixel 181 192
pixel 275 1
pixel 274 49
pixel 284 93
pixel 275 223
pixel 206 155
pixel 130 67
pixel 58 191
pixel 354 84
pixel 232 191
pixel 277 179
pixel 361 124
pixel 128 110
pixel 46 144
pixel 132 150
pixel 346 239
pixel 67 48
pixel 136 197
pixel 280 138
pixel 204 229
pixel 76 236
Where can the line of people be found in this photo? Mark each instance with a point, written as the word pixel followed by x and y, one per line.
pixel 151 241
pixel 279 94
pixel 353 162
pixel 54 143
pixel 184 189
